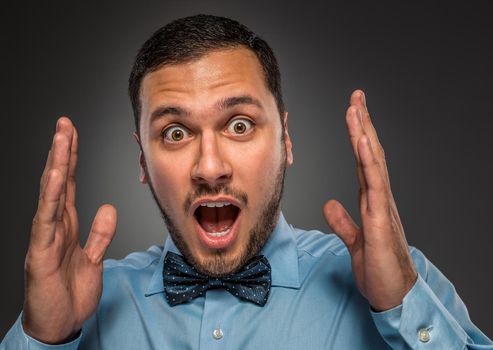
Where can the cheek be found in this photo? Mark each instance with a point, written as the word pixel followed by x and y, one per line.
pixel 257 166
pixel 168 173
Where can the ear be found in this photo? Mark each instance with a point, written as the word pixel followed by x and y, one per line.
pixel 287 141
pixel 142 162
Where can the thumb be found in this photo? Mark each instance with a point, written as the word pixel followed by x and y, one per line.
pixel 342 224
pixel 102 232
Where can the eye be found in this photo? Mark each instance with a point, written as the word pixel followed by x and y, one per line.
pixel 240 126
pixel 175 133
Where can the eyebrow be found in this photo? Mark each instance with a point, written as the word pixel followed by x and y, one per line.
pixel 231 102
pixel 162 111
pixel 222 104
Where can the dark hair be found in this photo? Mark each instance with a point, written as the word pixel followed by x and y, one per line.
pixel 190 38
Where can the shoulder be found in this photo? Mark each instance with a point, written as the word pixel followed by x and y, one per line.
pixel 130 276
pixel 135 260
pixel 323 261
pixel 316 243
pixel 137 267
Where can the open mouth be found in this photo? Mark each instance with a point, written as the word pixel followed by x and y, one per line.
pixel 216 218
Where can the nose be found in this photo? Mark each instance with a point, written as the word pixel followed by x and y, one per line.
pixel 211 167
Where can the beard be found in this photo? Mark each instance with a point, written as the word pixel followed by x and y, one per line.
pixel 221 264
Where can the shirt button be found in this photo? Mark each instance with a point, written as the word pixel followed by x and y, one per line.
pixel 217 333
pixel 424 335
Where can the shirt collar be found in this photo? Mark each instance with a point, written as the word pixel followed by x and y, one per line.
pixel 282 253
pixel 280 250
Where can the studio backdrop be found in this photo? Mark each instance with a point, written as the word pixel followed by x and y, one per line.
pixel 426 69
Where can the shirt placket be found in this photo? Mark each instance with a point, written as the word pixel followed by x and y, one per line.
pixel 215 332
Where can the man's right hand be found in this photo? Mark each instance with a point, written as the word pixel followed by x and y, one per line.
pixel 63 281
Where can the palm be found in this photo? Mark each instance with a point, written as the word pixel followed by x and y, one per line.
pixel 63 280
pixel 381 263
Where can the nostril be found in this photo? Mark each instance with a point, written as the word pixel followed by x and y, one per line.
pixel 224 178
pixel 211 175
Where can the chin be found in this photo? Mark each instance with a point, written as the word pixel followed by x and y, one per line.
pixel 220 263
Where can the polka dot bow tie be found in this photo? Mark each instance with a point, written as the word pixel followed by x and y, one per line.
pixel 183 283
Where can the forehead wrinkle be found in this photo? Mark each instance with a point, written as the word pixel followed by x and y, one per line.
pixel 222 104
pixel 206 74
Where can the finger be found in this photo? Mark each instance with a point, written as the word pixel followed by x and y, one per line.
pixel 358 99
pixel 44 175
pixel 354 128
pixel 342 224
pixel 48 164
pixel 377 189
pixel 44 222
pixel 61 156
pixel 71 183
pixel 355 131
pixel 102 232
pixel 56 155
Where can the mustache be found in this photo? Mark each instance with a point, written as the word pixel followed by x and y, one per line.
pixel 223 189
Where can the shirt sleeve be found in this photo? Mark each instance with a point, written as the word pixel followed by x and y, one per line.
pixel 431 316
pixel 17 339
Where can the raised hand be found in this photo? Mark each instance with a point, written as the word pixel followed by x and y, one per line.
pixel 382 266
pixel 63 282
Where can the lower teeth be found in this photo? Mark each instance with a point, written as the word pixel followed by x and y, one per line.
pixel 219 234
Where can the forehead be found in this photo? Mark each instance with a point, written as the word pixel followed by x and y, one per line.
pixel 199 82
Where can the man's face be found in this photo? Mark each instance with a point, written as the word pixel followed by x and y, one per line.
pixel 214 156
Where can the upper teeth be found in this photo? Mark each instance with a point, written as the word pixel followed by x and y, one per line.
pixel 214 204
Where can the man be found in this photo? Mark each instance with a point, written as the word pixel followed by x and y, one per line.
pixel 214 141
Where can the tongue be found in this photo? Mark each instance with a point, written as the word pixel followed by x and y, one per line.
pixel 217 219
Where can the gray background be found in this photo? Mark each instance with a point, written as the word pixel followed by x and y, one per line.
pixel 426 69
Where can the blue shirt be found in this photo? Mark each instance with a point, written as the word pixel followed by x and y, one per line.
pixel 313 304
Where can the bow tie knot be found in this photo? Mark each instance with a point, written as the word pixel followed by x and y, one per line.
pixel 183 282
pixel 215 283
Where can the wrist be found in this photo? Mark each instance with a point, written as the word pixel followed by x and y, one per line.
pixel 49 335
pixel 396 298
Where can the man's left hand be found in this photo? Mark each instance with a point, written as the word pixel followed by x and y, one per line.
pixel 382 266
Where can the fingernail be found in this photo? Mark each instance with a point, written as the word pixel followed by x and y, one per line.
pixel 363 98
pixel 59 122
